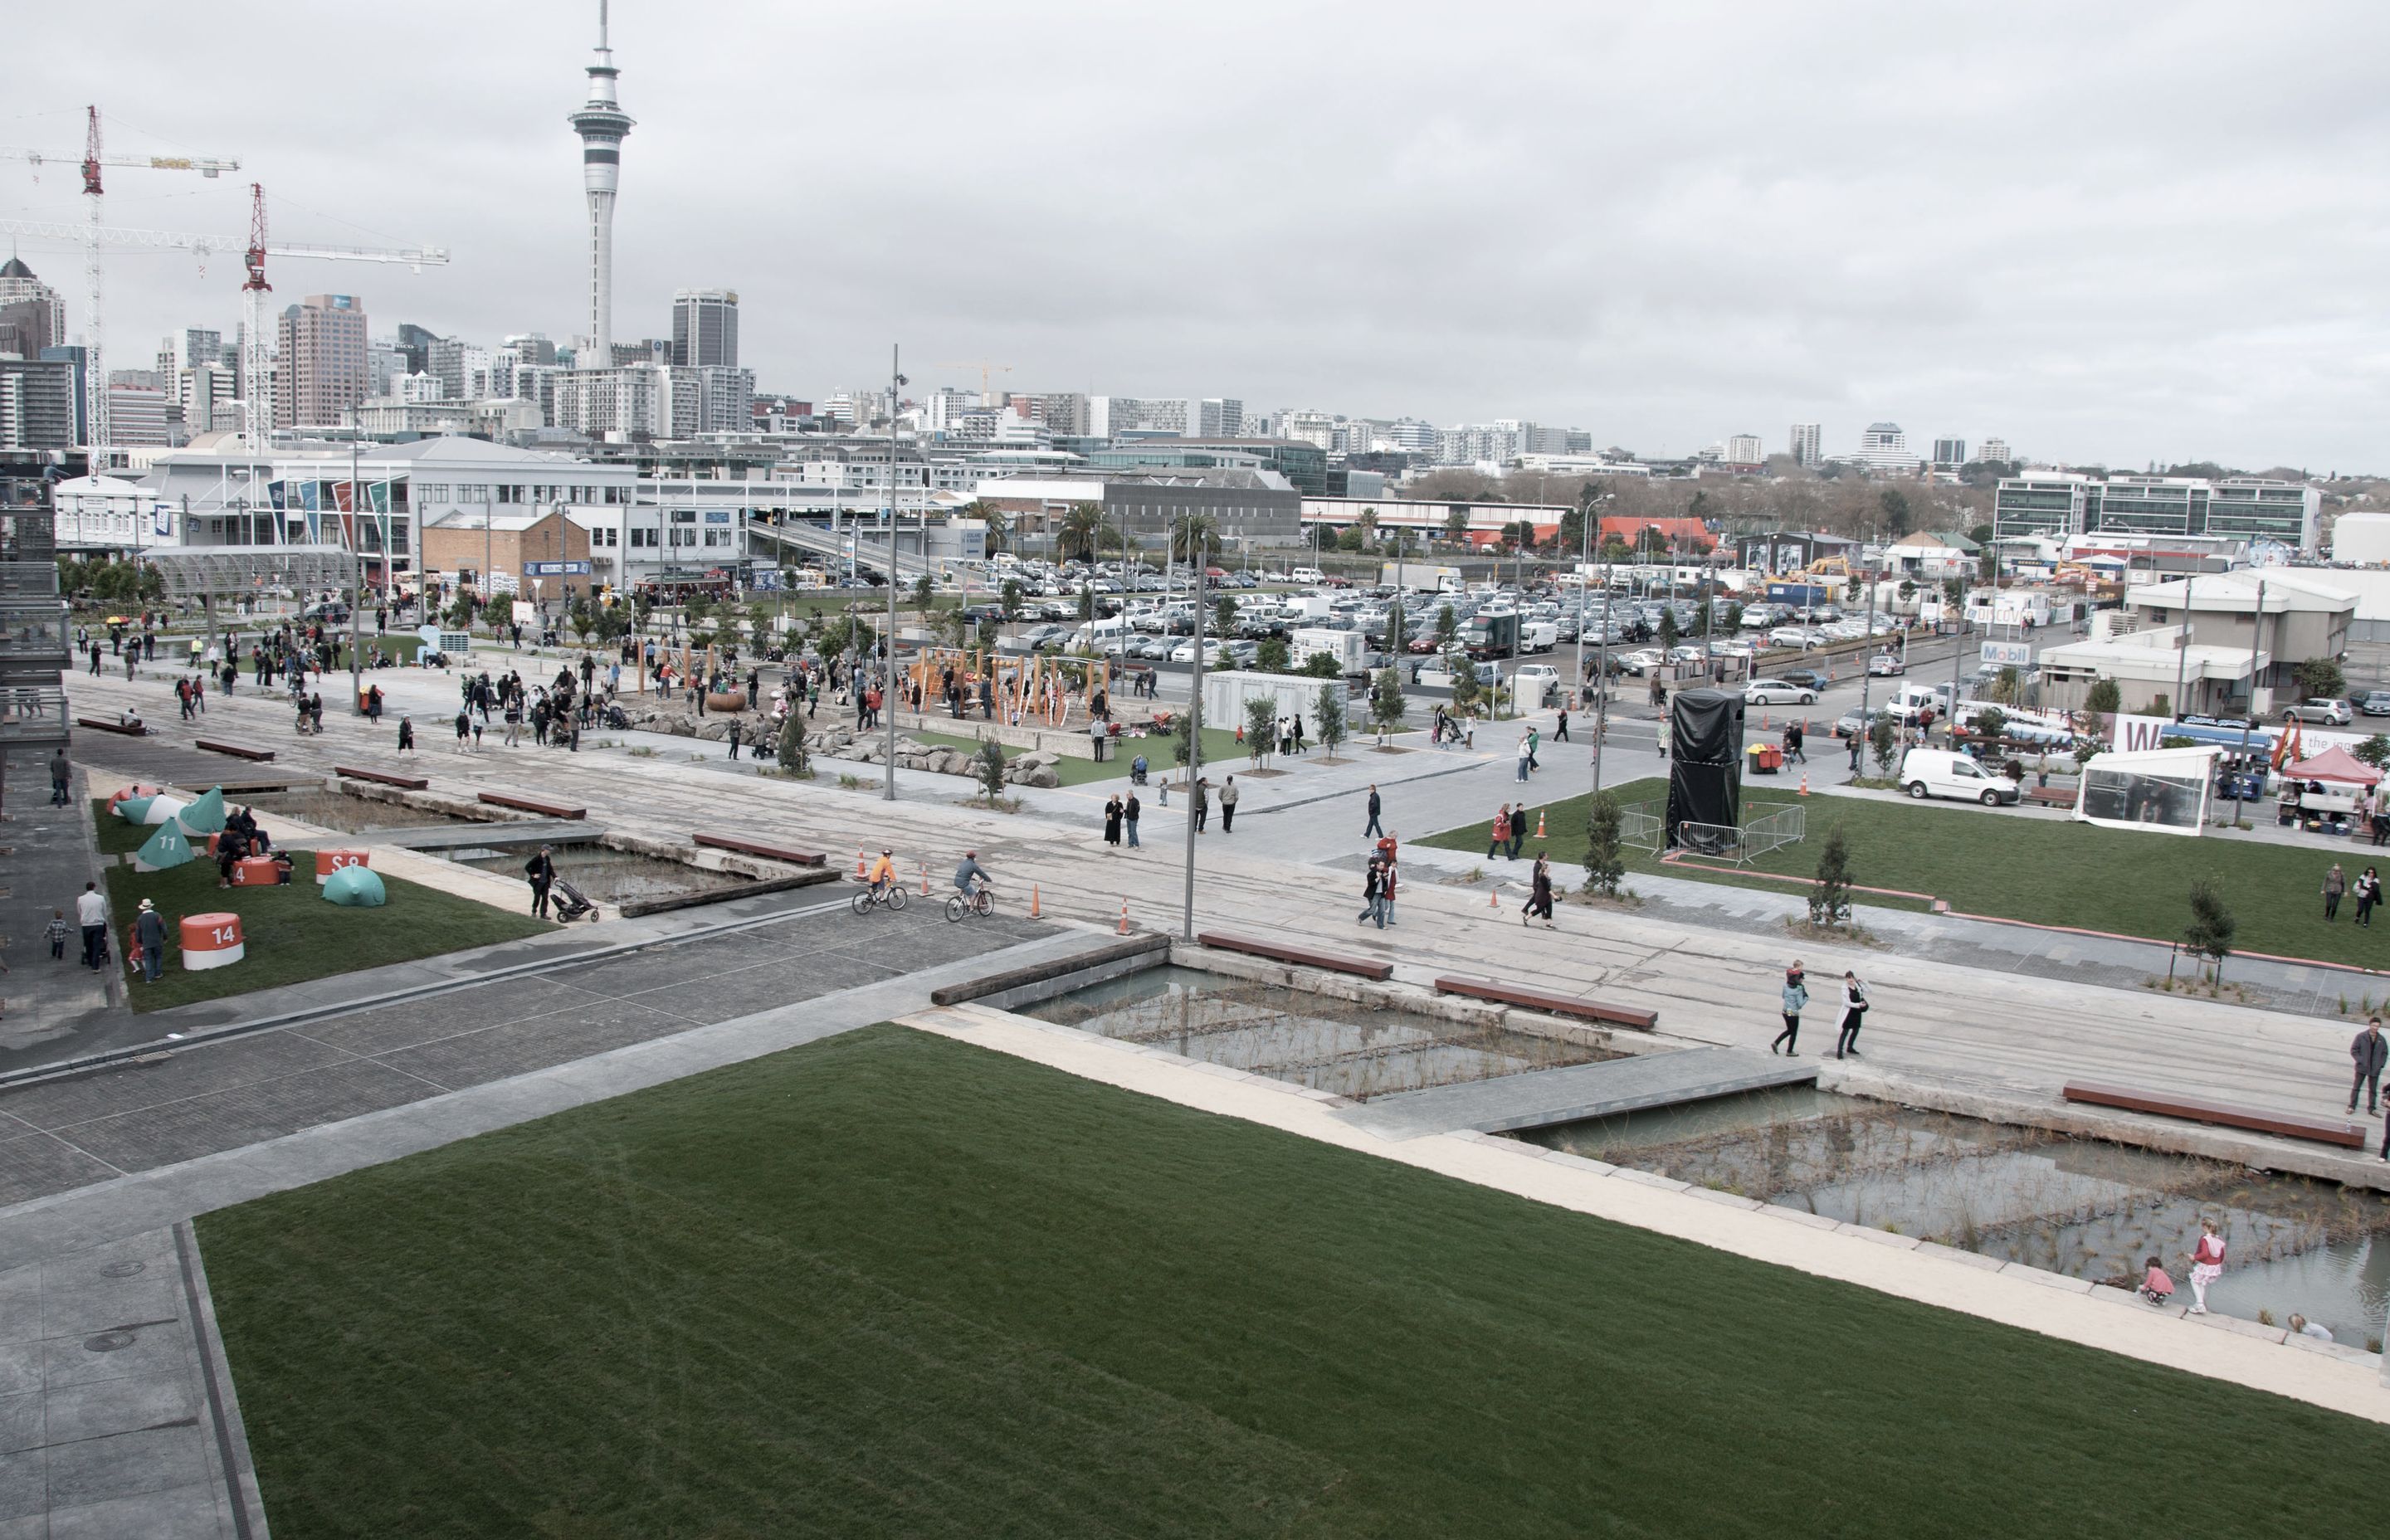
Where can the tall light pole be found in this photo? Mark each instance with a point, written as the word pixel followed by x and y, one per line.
pixel 1867 667
pixel 1196 558
pixel 888 675
pixel 357 601
pixel 2248 717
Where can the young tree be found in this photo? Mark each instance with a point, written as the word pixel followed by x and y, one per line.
pixel 1328 715
pixel 1323 665
pixel 1884 742
pixel 1182 739
pixel 1668 629
pixel 1272 657
pixel 1830 900
pixel 2209 934
pixel 1261 728
pixel 1605 859
pixel 1455 525
pixel 2104 698
pixel 1223 616
pixel 1386 704
pixel 2374 750
pixel 1448 628
pixel 1087 601
pixel 1011 597
pixel 922 589
pixel 987 768
pixel 792 746
pixel 1896 518
pixel 1991 724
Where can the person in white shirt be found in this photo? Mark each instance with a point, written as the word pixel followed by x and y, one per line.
pixel 2302 1327
pixel 91 913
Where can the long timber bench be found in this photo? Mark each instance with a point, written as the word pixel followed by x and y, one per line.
pixel 2337 1131
pixel 237 750
pixel 101 725
pixel 757 847
pixel 384 778
pixel 1545 1000
pixel 1301 957
pixel 531 804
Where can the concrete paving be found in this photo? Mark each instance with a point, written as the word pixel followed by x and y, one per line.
pixel 1577 1092
pixel 117 1412
pixel 46 855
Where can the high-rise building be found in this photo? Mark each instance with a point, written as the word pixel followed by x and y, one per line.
pixel 1995 451
pixel 1110 417
pixel 1884 447
pixel 136 409
pixel 37 404
pixel 603 126
pixel 415 342
pixel 1949 454
pixel 705 328
pixel 1804 447
pixel 2057 503
pixel 78 361
pixel 1744 449
pixel 1214 417
pixel 20 287
pixel 25 328
pixel 320 361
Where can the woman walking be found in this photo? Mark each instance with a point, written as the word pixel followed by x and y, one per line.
pixel 2368 892
pixel 1370 900
pixel 1854 1004
pixel 1501 832
pixel 2206 1264
pixel 1796 996
pixel 405 734
pixel 1540 902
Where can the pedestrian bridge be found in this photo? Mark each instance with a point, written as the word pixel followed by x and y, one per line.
pixel 1540 1097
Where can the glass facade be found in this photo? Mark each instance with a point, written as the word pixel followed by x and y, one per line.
pixel 2280 511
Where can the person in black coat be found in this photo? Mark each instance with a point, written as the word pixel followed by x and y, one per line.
pixel 541 871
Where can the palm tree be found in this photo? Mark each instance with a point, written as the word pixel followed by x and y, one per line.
pixel 1368 523
pixel 1082 525
pixel 1197 531
pixel 999 528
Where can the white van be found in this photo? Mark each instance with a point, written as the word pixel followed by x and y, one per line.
pixel 1307 574
pixel 1938 773
pixel 1102 634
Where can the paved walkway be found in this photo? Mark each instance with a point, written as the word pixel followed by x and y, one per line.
pixel 46 855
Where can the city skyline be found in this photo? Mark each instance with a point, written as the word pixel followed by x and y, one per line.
pixel 1923 285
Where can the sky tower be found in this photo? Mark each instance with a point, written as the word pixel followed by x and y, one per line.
pixel 601 123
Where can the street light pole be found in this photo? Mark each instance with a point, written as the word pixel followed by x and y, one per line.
pixel 357 603
pixel 1196 558
pixel 1867 665
pixel 888 673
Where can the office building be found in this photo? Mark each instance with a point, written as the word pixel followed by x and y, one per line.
pixel 2057 503
pixel 25 328
pixel 1744 450
pixel 1995 451
pixel 37 404
pixel 46 316
pixel 136 409
pixel 77 359
pixel 705 328
pixel 1805 448
pixel 1949 454
pixel 1111 417
pixel 1215 417
pixel 319 361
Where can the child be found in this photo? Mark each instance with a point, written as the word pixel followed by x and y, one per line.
pixel 2156 1287
pixel 57 930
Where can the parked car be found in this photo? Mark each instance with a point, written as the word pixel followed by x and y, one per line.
pixel 1643 661
pixel 1848 723
pixel 2333 713
pixel 2377 703
pixel 1886 665
pixel 1939 773
pixel 1808 678
pixel 1778 692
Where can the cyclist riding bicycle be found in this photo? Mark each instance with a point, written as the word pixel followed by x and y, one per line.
pixel 970 877
pixel 883 874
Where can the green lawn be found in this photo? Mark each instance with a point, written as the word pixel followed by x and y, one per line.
pixel 1223 755
pixel 290 934
pixel 890 1284
pixel 2035 867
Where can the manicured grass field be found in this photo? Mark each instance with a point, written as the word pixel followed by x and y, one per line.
pixel 1223 755
pixel 890 1284
pixel 2026 865
pixel 290 934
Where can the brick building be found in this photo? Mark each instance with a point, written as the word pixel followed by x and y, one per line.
pixel 474 548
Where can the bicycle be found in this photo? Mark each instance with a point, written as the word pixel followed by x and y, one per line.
pixel 981 904
pixel 892 896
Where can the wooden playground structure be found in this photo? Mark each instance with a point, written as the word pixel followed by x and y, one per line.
pixel 1031 690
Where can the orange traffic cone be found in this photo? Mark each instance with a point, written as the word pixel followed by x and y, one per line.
pixel 1124 924
pixel 1539 823
pixel 858 865
pixel 1805 783
pixel 925 879
pixel 1493 896
pixel 1033 901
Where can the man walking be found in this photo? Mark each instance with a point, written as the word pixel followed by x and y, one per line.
pixel 733 736
pixel 1373 831
pixel 1372 905
pixel 541 870
pixel 91 913
pixel 1855 754
pixel 1203 803
pixel 1228 805
pixel 1129 812
pixel 1560 733
pixel 62 776
pixel 2369 1051
pixel 149 929
pixel 2335 883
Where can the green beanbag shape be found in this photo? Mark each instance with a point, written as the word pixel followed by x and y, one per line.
pixel 205 816
pixel 166 848
pixel 134 810
pixel 357 887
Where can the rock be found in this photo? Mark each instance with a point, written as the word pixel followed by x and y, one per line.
pixel 1044 777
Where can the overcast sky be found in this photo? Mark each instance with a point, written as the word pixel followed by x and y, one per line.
pixel 2111 232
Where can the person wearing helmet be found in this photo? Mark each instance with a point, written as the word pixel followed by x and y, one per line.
pixel 882 875
pixel 969 878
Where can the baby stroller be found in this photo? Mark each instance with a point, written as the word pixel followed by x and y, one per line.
pixel 569 906
pixel 1137 771
pixel 617 718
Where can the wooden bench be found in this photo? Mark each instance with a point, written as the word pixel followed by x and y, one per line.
pixel 531 804
pixel 1300 956
pixel 2337 1131
pixel 2050 796
pixel 101 725
pixel 1556 1005
pixel 757 847
pixel 382 778
pixel 234 750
